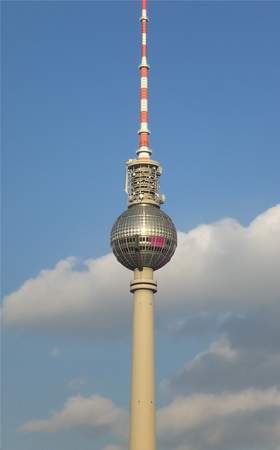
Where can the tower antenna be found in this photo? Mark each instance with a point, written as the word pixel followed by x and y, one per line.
pixel 144 150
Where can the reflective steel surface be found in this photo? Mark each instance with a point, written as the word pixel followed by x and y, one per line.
pixel 143 236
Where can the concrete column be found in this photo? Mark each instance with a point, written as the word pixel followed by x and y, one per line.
pixel 142 407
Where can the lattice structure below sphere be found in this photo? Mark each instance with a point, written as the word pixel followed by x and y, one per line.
pixel 143 236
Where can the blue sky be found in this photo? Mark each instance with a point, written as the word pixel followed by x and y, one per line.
pixel 70 121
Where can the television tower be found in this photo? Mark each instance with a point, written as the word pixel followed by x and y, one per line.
pixel 143 239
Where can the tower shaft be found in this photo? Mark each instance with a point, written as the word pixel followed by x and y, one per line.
pixel 142 407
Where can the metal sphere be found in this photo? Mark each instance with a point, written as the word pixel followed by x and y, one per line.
pixel 143 236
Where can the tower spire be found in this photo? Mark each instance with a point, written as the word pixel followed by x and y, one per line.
pixel 144 150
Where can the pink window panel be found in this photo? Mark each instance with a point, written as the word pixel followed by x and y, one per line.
pixel 157 241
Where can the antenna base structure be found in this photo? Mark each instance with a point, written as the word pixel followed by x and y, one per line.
pixel 142 182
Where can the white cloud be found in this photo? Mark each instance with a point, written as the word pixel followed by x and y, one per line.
pixel 196 410
pixel 245 420
pixel 96 413
pixel 217 268
pixel 65 299
pixel 224 266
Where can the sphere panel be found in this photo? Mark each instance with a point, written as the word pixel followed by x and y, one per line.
pixel 143 236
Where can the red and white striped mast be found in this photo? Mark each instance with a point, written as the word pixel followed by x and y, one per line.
pixel 142 176
pixel 144 150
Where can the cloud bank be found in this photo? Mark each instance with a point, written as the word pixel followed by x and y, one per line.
pixel 97 413
pixel 219 267
pixel 196 422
